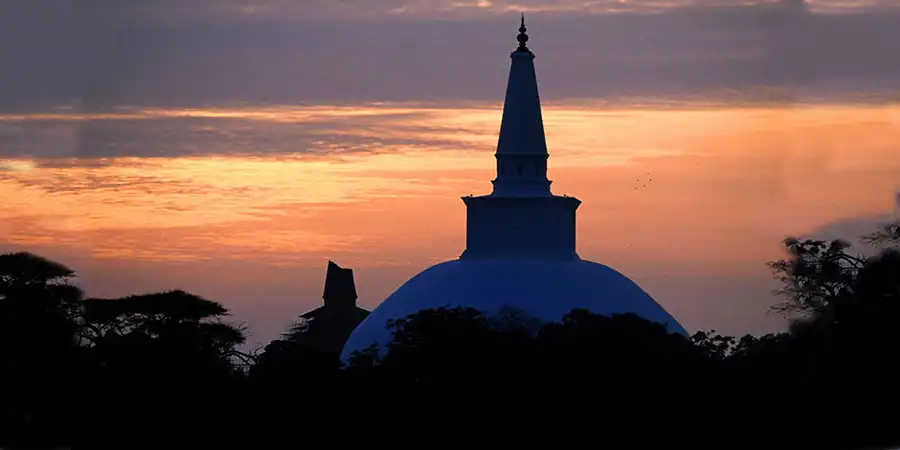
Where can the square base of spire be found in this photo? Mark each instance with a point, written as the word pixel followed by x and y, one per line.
pixel 541 227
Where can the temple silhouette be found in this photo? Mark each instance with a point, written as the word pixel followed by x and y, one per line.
pixel 327 327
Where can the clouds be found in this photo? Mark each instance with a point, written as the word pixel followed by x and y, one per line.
pixel 331 131
pixel 728 185
pixel 100 54
pixel 163 57
pixel 853 229
pixel 217 10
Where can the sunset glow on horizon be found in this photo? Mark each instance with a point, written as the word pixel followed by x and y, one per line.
pixel 665 192
pixel 231 148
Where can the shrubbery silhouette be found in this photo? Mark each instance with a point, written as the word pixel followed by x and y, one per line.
pixel 77 371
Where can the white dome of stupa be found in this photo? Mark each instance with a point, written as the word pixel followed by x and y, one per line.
pixel 520 240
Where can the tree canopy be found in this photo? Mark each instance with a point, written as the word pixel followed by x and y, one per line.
pixel 171 363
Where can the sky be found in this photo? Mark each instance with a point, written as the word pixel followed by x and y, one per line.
pixel 231 148
pixel 92 55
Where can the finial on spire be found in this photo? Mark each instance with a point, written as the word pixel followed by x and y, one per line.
pixel 522 38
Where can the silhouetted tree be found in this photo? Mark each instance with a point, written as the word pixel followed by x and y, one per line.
pixel 294 381
pixel 447 360
pixel 816 274
pixel 838 352
pixel 176 320
pixel 168 364
pixel 39 309
pixel 170 350
pixel 624 362
pixel 888 236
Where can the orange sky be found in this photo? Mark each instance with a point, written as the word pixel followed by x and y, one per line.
pixel 689 203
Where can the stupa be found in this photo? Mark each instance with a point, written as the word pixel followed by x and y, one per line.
pixel 520 239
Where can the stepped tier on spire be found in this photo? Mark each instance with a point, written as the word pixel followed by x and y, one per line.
pixel 521 218
pixel 521 148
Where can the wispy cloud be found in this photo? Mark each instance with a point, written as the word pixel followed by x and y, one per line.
pixel 339 132
pixel 323 131
pixel 93 56
pixel 736 179
pixel 173 10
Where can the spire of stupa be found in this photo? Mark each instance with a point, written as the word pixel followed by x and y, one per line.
pixel 521 148
pixel 522 38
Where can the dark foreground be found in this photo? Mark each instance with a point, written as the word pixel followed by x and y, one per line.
pixel 164 370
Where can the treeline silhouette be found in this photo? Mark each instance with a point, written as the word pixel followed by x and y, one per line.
pixel 86 372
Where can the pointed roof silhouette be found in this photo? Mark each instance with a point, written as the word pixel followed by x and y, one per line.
pixel 339 283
